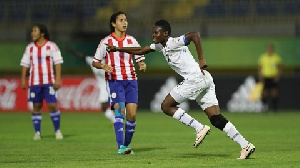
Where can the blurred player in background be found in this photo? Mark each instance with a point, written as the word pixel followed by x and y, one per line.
pixel 100 76
pixel 121 78
pixel 269 72
pixel 197 85
pixel 44 81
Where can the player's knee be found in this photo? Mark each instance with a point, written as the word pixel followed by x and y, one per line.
pixel 218 121
pixel 120 110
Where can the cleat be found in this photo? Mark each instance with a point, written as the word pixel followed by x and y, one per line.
pixel 246 152
pixel 37 136
pixel 58 135
pixel 124 150
pixel 201 135
pixel 131 151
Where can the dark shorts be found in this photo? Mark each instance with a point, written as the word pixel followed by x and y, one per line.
pixel 37 93
pixel 270 83
pixel 123 91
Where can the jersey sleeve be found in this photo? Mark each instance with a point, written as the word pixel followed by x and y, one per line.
pixel 138 58
pixel 156 47
pixel 57 58
pixel 178 42
pixel 279 61
pixel 100 52
pixel 25 61
pixel 89 60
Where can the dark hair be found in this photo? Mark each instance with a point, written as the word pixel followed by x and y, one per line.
pixel 113 19
pixel 164 24
pixel 44 30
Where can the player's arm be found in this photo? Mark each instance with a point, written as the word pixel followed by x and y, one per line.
pixel 57 83
pixel 130 50
pixel 74 52
pixel 105 67
pixel 195 38
pixel 23 77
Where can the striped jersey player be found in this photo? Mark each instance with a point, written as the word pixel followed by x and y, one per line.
pixel 40 56
pixel 121 78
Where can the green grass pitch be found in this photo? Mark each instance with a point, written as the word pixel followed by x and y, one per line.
pixel 159 141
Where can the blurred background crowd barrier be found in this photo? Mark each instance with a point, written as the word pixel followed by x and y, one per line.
pixel 234 34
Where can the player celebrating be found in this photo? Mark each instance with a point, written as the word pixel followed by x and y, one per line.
pixel 197 85
pixel 121 78
pixel 100 76
pixel 40 56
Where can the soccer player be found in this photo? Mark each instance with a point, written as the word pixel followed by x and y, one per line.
pixel 269 72
pixel 100 76
pixel 40 55
pixel 197 85
pixel 121 78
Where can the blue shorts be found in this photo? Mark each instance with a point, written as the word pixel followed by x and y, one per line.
pixel 37 93
pixel 123 91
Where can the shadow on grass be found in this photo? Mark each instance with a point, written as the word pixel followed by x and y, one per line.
pixel 53 136
pixel 197 155
pixel 146 149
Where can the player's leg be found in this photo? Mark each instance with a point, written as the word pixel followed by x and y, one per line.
pixel 274 96
pixel 103 98
pixel 36 98
pixel 117 101
pixel 209 104
pixel 50 96
pixel 131 95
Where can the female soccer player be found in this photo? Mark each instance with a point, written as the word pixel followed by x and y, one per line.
pixel 197 85
pixel 121 78
pixel 40 55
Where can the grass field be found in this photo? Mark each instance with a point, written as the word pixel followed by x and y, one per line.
pixel 159 141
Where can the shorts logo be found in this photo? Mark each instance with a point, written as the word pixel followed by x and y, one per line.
pixel 32 95
pixel 114 95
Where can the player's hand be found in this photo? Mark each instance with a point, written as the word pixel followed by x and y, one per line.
pixel 23 84
pixel 202 65
pixel 57 84
pixel 142 66
pixel 107 68
pixel 110 48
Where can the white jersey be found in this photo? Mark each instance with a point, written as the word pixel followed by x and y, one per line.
pixel 178 56
pixel 100 77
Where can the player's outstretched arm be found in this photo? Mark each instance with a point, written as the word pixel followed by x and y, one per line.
pixel 130 50
pixel 74 52
pixel 195 37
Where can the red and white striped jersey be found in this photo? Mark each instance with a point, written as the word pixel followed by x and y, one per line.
pixel 123 66
pixel 41 59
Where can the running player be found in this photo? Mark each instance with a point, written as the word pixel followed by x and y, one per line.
pixel 40 55
pixel 197 85
pixel 121 78
pixel 100 76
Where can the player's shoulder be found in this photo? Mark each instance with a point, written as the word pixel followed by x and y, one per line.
pixel 31 44
pixel 105 39
pixel 130 37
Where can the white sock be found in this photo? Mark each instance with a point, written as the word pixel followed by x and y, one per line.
pixel 233 133
pixel 110 115
pixel 186 119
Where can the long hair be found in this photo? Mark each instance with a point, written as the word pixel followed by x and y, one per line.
pixel 44 30
pixel 113 19
pixel 165 25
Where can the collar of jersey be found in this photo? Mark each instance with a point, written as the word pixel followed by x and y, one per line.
pixel 36 44
pixel 117 38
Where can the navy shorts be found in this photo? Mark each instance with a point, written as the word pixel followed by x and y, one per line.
pixel 270 83
pixel 37 93
pixel 123 91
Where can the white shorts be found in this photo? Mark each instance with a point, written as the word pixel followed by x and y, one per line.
pixel 103 96
pixel 200 88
